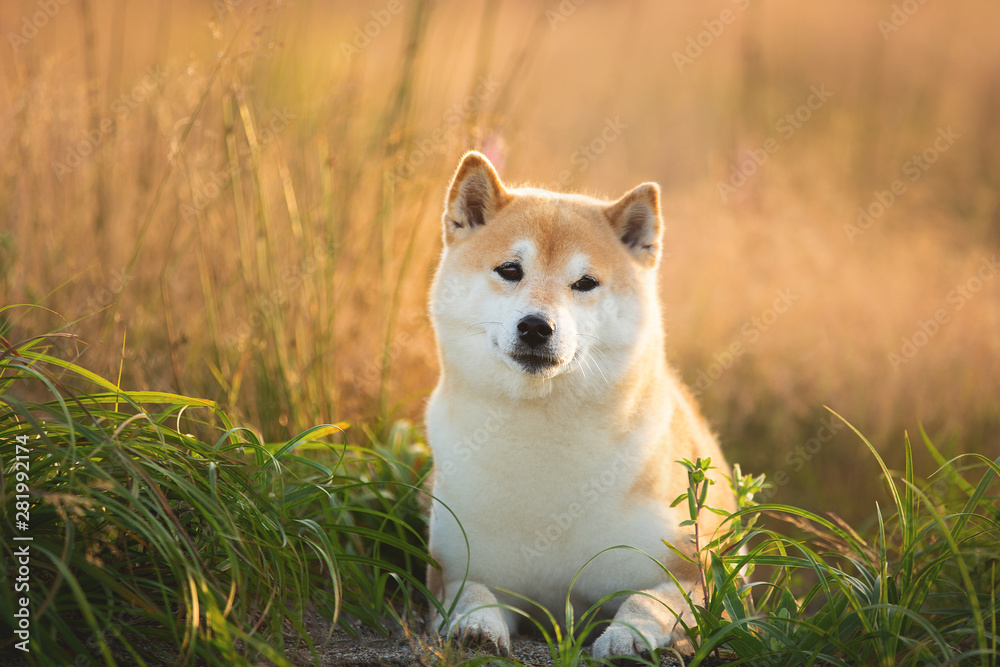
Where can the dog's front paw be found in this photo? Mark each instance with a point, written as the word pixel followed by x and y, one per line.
pixel 484 628
pixel 621 640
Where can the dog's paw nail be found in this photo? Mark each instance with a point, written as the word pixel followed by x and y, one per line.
pixel 485 632
pixel 619 641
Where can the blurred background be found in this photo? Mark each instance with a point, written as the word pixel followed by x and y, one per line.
pixel 241 201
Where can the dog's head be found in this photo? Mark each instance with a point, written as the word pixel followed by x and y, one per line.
pixel 535 286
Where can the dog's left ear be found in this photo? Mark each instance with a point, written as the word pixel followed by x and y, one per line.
pixel 475 196
pixel 636 219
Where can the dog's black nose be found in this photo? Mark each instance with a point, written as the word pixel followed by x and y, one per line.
pixel 535 331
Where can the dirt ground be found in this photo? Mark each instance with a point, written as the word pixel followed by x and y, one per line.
pixel 363 647
pixel 401 649
pixel 370 649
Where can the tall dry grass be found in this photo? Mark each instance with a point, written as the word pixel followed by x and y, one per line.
pixel 256 217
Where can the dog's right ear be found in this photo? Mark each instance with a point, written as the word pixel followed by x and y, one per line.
pixel 476 195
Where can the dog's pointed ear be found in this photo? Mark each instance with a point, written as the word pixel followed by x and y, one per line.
pixel 635 218
pixel 476 195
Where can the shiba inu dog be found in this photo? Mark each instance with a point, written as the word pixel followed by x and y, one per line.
pixel 557 421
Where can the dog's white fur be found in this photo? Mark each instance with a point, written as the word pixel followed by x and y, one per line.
pixel 546 463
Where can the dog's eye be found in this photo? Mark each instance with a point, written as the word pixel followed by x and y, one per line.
pixel 585 284
pixel 511 271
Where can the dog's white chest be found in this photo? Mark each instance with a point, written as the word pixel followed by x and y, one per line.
pixel 538 498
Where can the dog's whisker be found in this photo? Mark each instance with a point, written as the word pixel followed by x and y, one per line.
pixel 586 365
pixel 603 355
pixel 479 324
pixel 597 350
pixel 588 356
pixel 600 370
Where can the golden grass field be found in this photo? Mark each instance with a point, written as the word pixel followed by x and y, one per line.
pixel 242 201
